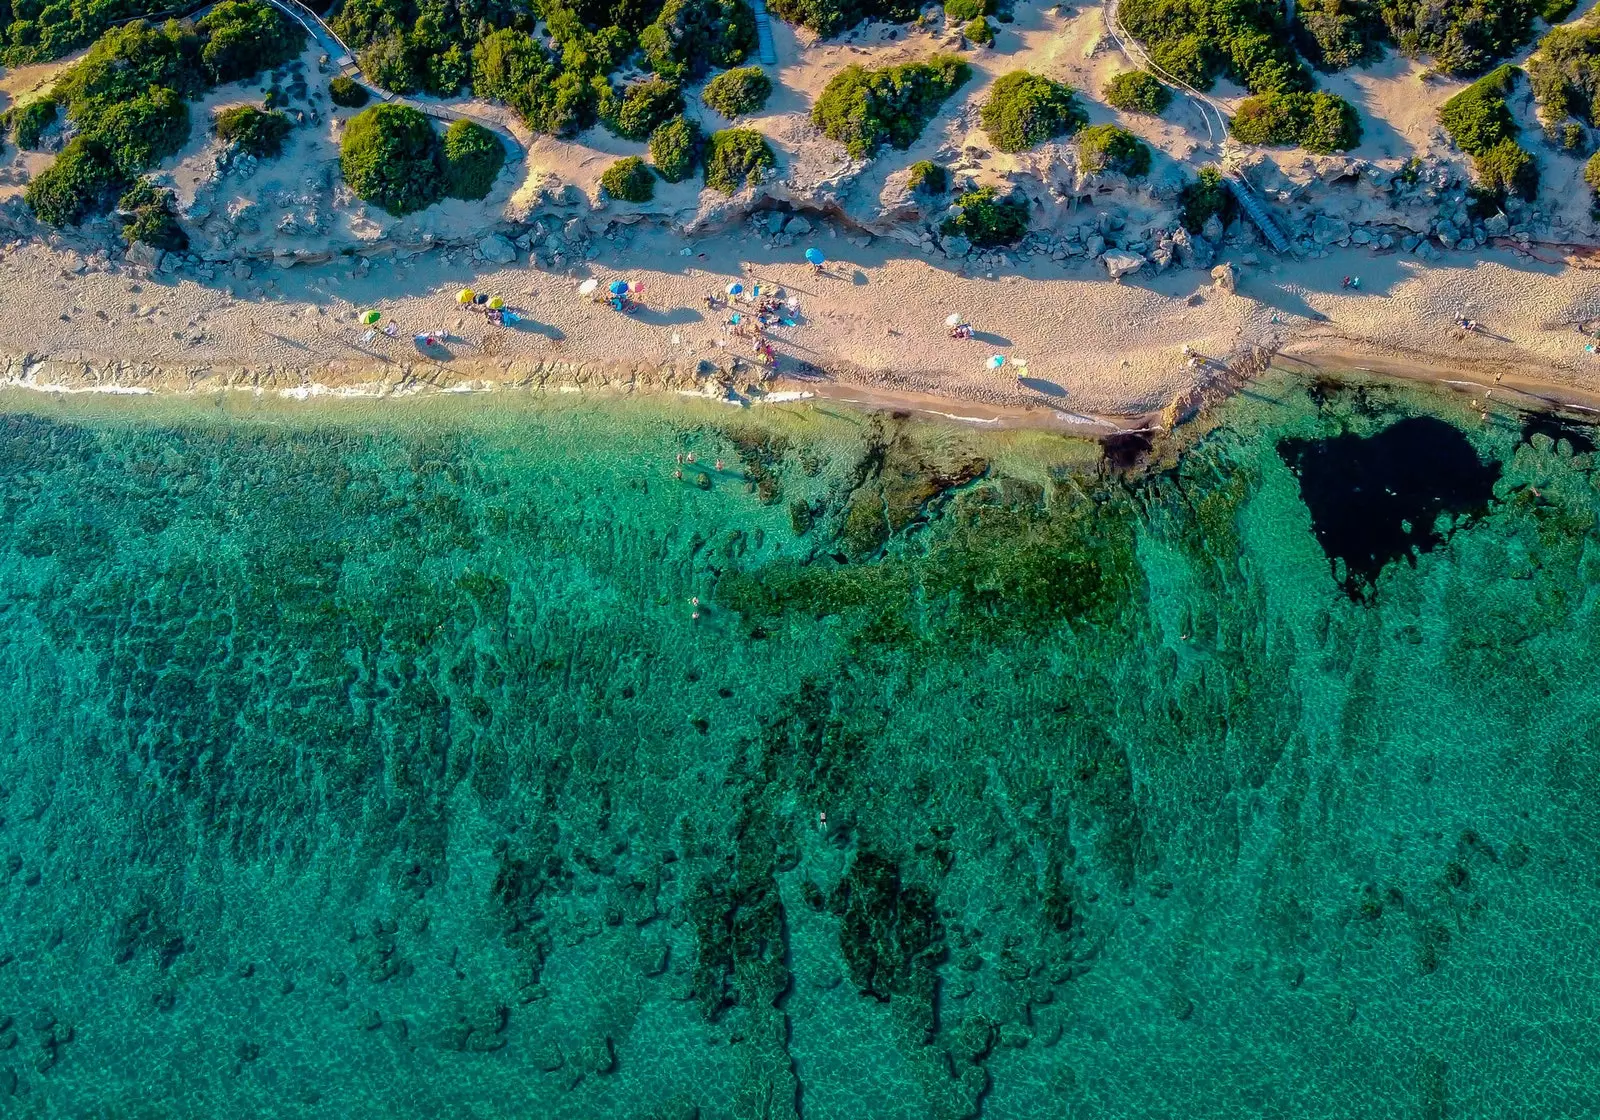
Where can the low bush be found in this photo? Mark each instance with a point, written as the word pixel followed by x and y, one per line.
pixel 391 156
pixel 1204 197
pixel 82 181
pixel 964 11
pixel 830 17
pixel 641 108
pixel 979 31
pixel 1591 173
pixel 28 122
pixel 675 149
pixel 473 157
pixel 927 177
pixel 865 109
pixel 984 218
pixel 1317 122
pixel 1460 37
pixel 347 92
pixel 1507 168
pixel 629 180
pixel 736 156
pixel 1024 110
pixel 551 98
pixel 1106 147
pixel 147 215
pixel 738 92
pixel 1137 91
pixel 1565 74
pixel 1478 118
pixel 691 36
pixel 1198 41
pixel 243 37
pixel 258 133
pixel 143 130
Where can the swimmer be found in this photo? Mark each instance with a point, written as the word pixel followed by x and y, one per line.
pixel 678 474
pixel 694 600
pixel 689 458
pixel 719 464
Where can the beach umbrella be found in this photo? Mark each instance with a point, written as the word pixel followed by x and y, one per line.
pixel 464 296
pixel 735 288
pixel 953 319
pixel 636 286
pixel 619 287
pixel 997 361
pixel 371 317
pixel 588 286
pixel 496 303
pixel 814 256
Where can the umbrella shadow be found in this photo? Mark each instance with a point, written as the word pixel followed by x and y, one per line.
pixel 549 330
pixel 677 316
pixel 436 351
pixel 1040 385
pixel 991 338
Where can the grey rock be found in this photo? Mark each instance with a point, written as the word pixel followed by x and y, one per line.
pixel 797 226
pixel 497 249
pixel 1095 245
pixel 1360 236
pixel 955 246
pixel 1212 230
pixel 1224 278
pixel 1192 252
pixel 1498 225
pixel 1325 229
pixel 775 222
pixel 145 256
pixel 1120 263
pixel 1447 233
pixel 1410 242
pixel 1386 241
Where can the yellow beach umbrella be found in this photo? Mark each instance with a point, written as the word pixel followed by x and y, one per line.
pixel 465 296
pixel 496 303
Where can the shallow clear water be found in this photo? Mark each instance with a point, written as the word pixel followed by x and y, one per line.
pixel 372 762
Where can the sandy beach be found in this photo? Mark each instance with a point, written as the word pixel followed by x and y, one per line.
pixel 1078 349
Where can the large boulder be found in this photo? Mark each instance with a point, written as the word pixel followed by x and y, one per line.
pixel 1120 263
pixel 497 249
pixel 145 256
pixel 1326 229
pixel 955 245
pixel 1193 252
pixel 1224 278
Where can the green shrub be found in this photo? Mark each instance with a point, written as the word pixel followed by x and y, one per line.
pixel 642 108
pixel 979 31
pixel 1024 110
pixel 126 62
pixel 1137 91
pixel 1591 173
pixel 1335 34
pixel 1317 122
pixel 82 181
pixel 391 156
pixel 984 218
pixel 509 66
pixel 1105 147
pixel 260 134
pixel 1507 168
pixel 473 157
pixel 629 180
pixel 244 37
pixel 1477 118
pixel 143 130
pixel 1206 196
pixel 963 11
pixel 29 121
pixel 347 92
pixel 1565 74
pixel 675 149
pixel 735 93
pixel 830 17
pixel 865 109
pixel 1198 41
pixel 927 177
pixel 39 32
pixel 1461 37
pixel 736 156
pixel 691 36
pixel 1554 11
pixel 147 215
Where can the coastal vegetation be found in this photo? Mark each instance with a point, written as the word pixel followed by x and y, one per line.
pixel 675 148
pixel 1565 77
pixel 1479 122
pixel 689 37
pixel 1204 198
pixel 736 157
pixel 473 157
pixel 980 31
pixel 629 180
pixel 1106 147
pixel 347 93
pixel 641 108
pixel 830 17
pixel 738 92
pixel 1137 91
pixel 866 109
pixel 1199 41
pixel 1317 122
pixel 983 217
pixel 257 132
pixel 128 99
pixel 147 215
pixel 927 177
pixel 1024 110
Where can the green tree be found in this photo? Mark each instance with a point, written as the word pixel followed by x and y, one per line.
pixel 642 108
pixel 1106 147
pixel 261 134
pixel 29 121
pixel 391 156
pixel 629 180
pixel 147 215
pixel 1137 91
pixel 866 109
pixel 735 157
pixel 738 92
pixel 691 36
pixel 82 181
pixel 347 92
pixel 473 157
pixel 1318 122
pixel 244 37
pixel 984 218
pixel 675 149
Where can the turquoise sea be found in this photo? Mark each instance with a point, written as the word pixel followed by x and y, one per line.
pixel 378 761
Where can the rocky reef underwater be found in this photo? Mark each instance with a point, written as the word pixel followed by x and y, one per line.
pixel 616 758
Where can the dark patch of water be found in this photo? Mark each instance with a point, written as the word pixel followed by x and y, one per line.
pixel 1125 450
pixel 1579 436
pixel 1374 499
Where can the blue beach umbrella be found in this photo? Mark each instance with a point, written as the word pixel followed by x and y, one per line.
pixel 619 287
pixel 814 256
pixel 735 288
